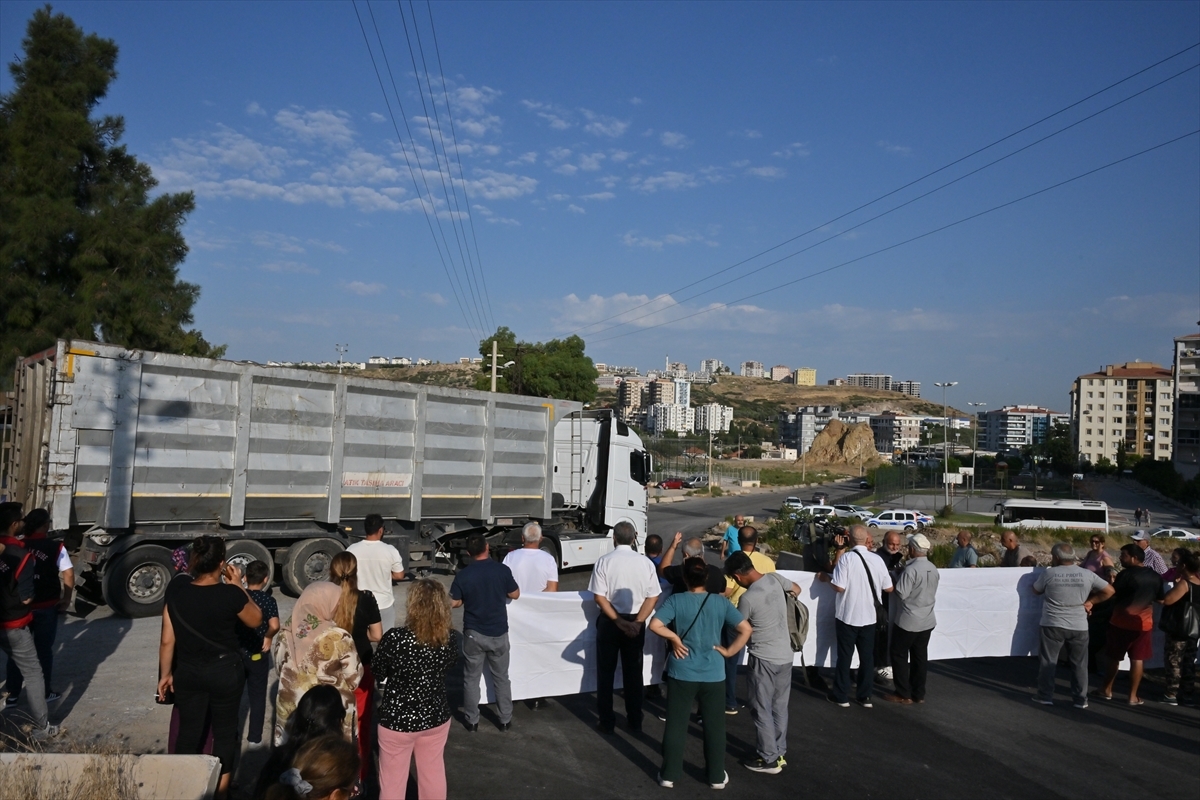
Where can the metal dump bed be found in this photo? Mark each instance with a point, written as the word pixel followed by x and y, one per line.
pixel 117 438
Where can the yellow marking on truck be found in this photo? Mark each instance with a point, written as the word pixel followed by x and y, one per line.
pixel 71 353
pixel 260 496
pixel 549 407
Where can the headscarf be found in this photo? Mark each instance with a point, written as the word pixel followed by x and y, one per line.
pixel 314 650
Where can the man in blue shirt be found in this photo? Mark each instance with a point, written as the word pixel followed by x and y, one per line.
pixel 729 544
pixel 483 589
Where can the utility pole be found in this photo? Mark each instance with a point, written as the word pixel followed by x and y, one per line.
pixel 945 438
pixel 974 446
pixel 710 433
pixel 495 357
pixel 342 349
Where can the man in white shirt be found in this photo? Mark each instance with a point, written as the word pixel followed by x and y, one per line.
pixel 378 565
pixel 854 572
pixel 534 569
pixel 625 585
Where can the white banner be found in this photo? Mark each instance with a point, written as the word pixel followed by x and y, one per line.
pixel 980 613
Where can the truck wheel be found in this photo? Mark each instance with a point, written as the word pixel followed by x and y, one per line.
pixel 135 584
pixel 549 546
pixel 241 552
pixel 308 561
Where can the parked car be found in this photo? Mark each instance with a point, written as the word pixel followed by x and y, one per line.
pixel 821 510
pixel 923 518
pixel 864 484
pixel 791 504
pixel 896 521
pixel 847 511
pixel 820 498
pixel 696 482
pixel 1176 533
pixel 671 483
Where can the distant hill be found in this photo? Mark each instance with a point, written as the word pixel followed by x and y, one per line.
pixel 763 399
pixel 454 376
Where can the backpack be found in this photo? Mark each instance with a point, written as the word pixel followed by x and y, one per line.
pixel 47 589
pixel 797 617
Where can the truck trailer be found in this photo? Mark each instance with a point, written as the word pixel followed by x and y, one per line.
pixel 135 453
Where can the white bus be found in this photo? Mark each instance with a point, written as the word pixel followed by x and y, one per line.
pixel 1088 514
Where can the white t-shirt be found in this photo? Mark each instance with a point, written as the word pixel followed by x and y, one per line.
pixel 64 560
pixel 625 578
pixel 377 560
pixel 532 568
pixel 854 606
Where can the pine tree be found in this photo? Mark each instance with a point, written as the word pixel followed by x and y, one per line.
pixel 85 250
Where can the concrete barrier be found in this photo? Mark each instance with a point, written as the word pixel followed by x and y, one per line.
pixel 119 777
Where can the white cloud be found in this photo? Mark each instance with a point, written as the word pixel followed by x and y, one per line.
pixel 674 180
pixel 559 197
pixel 601 125
pixel 642 311
pixel 434 297
pixel 620 155
pixel 599 196
pixel 609 181
pixel 898 149
pixel 747 133
pixel 591 163
pixel 566 169
pixel 556 117
pixel 492 185
pixel 332 127
pixel 559 153
pixel 524 158
pixel 376 117
pixel 574 209
pixel 796 149
pixel 472 99
pixel 631 239
pixel 255 110
pixel 288 267
pixel 635 101
pixel 364 289
pixel 674 140
pixel 769 173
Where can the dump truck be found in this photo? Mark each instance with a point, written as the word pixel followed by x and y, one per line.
pixel 135 453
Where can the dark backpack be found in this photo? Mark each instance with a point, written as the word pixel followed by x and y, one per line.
pixel 47 588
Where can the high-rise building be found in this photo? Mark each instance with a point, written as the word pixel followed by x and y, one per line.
pixel 910 388
pixel 683 392
pixel 870 380
pixel 711 366
pixel 805 376
pixel 780 372
pixel 1186 453
pixel 1014 427
pixel 1123 406
pixel 714 417
pixel 662 418
pixel 752 369
pixel 661 391
pixel 895 432
pixel 798 428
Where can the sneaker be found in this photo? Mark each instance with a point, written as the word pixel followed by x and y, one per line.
pixel 782 762
pixel 724 782
pixel 837 702
pixel 1081 704
pixel 884 673
pixel 666 784
pixel 252 746
pixel 42 734
pixel 1170 700
pixel 865 703
pixel 731 710
pixel 52 697
pixel 1039 700
pixel 762 765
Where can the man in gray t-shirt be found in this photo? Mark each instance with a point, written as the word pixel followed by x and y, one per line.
pixel 765 607
pixel 913 599
pixel 1069 592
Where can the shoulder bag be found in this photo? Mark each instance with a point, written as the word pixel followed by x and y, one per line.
pixel 1181 620
pixel 699 611
pixel 881 614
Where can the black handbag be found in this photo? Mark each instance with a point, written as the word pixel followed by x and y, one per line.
pixel 881 613
pixel 1181 620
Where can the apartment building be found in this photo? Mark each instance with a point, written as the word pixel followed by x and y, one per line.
pixel 798 428
pixel 663 418
pixel 1014 427
pixel 1127 405
pixel 780 373
pixel 895 433
pixel 661 391
pixel 714 417
pixel 804 376
pixel 1186 447
pixel 711 366
pixel 870 380
pixel 751 369
pixel 910 388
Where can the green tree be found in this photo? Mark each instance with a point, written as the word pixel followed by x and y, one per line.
pixel 557 368
pixel 1104 466
pixel 86 252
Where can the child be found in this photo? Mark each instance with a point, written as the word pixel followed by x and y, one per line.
pixel 256 647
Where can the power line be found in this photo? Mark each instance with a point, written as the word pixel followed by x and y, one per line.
pixel 910 240
pixel 901 205
pixel 458 157
pixel 901 188
pixel 432 200
pixel 433 141
pixel 411 171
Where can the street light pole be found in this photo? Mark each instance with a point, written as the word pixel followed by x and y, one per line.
pixel 945 438
pixel 974 445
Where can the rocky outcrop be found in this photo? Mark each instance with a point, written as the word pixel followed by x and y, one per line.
pixel 840 443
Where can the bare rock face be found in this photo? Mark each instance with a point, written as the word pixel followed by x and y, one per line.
pixel 840 443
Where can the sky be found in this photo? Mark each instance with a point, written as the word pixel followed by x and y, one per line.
pixel 692 180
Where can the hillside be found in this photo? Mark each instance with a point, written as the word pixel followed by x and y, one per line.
pixel 763 399
pixel 455 376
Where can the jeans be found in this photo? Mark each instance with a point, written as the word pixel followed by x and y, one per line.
pixel 681 695
pixel 210 688
pixel 850 637
pixel 44 628
pixel 396 749
pixel 910 662
pixel 611 644
pixel 1053 640
pixel 770 690
pixel 257 675
pixel 17 644
pixel 478 648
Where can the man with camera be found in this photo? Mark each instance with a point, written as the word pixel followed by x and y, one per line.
pixel 859 578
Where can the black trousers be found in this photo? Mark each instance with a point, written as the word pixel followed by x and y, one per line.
pixel 910 661
pixel 850 638
pixel 210 688
pixel 612 644
pixel 257 675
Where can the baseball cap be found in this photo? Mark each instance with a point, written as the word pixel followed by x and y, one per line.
pixel 919 539
pixel 1140 536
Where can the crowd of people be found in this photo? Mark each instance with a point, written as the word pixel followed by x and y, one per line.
pixel 360 699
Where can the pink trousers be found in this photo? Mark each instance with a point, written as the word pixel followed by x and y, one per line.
pixel 396 749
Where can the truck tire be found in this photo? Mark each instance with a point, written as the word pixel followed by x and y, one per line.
pixel 548 545
pixel 308 561
pixel 241 552
pixel 135 584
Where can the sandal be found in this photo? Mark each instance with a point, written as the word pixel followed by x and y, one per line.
pixel 1101 696
pixel 1138 702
